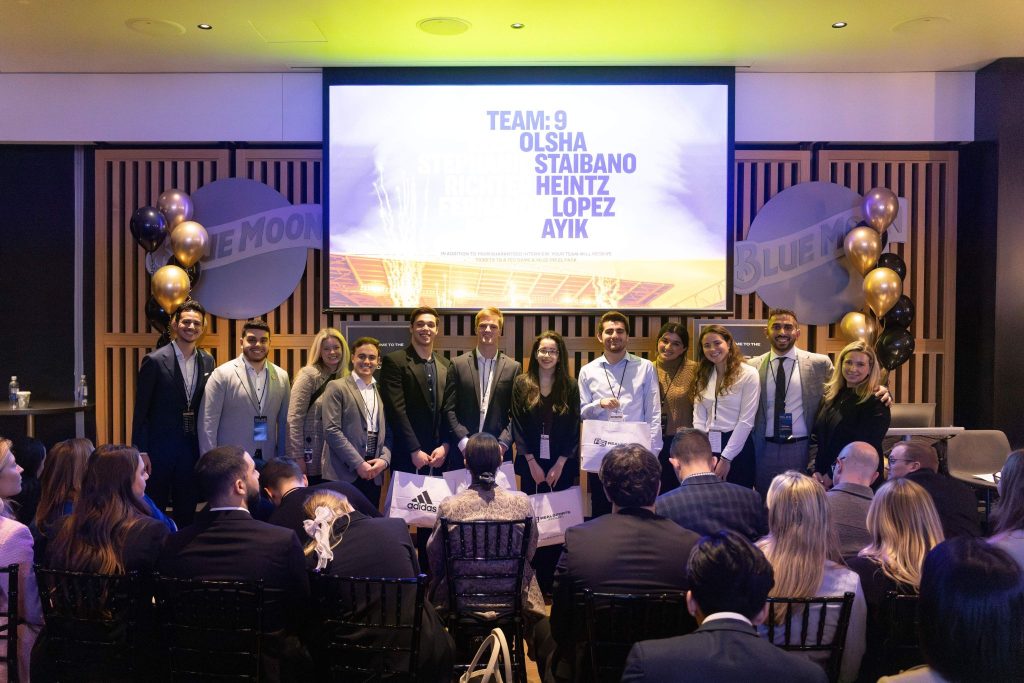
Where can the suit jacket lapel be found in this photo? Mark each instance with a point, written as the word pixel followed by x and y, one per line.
pixel 420 374
pixel 204 366
pixel 806 378
pixel 243 379
pixel 475 375
pixel 762 370
pixel 357 400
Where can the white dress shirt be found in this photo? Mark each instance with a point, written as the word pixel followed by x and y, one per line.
pixel 633 381
pixel 733 411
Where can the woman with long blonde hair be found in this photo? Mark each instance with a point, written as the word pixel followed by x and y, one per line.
pixel 904 526
pixel 850 410
pixel 804 554
pixel 328 360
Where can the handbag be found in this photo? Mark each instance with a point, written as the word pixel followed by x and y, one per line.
pixel 458 480
pixel 415 497
pixel 556 511
pixel 496 644
pixel 600 436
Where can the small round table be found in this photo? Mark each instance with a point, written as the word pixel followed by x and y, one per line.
pixel 42 408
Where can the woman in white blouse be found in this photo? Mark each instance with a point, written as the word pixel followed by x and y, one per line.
pixel 725 392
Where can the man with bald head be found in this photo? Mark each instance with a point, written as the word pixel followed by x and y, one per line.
pixel 955 502
pixel 855 469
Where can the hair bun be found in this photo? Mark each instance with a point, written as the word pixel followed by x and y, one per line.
pixel 486 478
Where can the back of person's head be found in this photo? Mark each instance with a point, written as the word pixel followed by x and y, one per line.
pixel 691 447
pixel 280 472
pixel 859 462
pixel 904 526
pixel 631 476
pixel 800 538
pixel 920 452
pixel 61 480
pixel 327 518
pixel 483 458
pixel 972 612
pixel 218 470
pixel 93 538
pixel 726 573
pixel 1010 513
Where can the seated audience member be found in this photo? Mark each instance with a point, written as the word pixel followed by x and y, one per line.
pixel 484 500
pixel 902 526
pixel 955 501
pixel 729 581
pixel 29 453
pixel 855 469
pixel 16 548
pixel 225 542
pixel 704 503
pixel 110 530
pixel 286 486
pixel 972 615
pixel 632 550
pixel 1009 524
pixel 59 486
pixel 345 542
pixel 803 552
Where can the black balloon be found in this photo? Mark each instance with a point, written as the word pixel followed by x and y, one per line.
pixel 901 314
pixel 894 347
pixel 164 340
pixel 193 272
pixel 893 262
pixel 149 227
pixel 158 318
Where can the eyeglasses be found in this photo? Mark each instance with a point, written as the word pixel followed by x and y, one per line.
pixel 836 463
pixel 547 352
pixel 892 460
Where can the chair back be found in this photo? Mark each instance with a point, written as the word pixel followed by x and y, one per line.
pixel 212 629
pixel 901 649
pixel 9 617
pixel 615 621
pixel 484 564
pixel 95 624
pixel 804 625
pixel 367 629
pixel 977 451
pixel 912 415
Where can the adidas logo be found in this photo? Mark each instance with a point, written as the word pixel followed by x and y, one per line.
pixel 422 502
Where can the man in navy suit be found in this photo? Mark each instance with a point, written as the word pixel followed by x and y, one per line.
pixel 729 580
pixel 703 502
pixel 169 390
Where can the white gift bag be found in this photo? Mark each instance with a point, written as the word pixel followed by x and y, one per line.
pixel 600 436
pixel 415 497
pixel 459 480
pixel 556 511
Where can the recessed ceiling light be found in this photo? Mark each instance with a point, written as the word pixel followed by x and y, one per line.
pixel 839 24
pixel 443 26
pixel 204 27
pixel 518 25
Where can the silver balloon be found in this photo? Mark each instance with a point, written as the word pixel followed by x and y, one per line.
pixel 176 206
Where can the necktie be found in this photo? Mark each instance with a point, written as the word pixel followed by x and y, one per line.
pixel 780 393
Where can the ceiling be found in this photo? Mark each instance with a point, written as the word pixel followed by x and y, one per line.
pixel 140 36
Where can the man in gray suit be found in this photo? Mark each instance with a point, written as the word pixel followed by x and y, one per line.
pixel 357 446
pixel 792 384
pixel 246 400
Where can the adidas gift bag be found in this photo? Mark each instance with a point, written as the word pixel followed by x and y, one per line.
pixel 415 497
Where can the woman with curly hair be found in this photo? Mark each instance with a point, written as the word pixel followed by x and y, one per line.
pixel 725 393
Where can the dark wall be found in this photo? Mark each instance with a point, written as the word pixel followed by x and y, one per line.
pixel 37 248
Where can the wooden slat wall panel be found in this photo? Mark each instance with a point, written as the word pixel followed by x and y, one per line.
pixel 928 180
pixel 126 179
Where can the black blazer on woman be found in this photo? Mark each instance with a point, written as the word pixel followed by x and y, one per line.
pixel 527 424
pixel 843 421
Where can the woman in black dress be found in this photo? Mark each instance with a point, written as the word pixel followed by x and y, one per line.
pixel 850 411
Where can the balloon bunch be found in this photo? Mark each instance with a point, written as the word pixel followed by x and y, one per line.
pixel 174 245
pixel 889 313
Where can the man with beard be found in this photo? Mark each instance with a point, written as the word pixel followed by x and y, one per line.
pixel 246 401
pixel 618 386
pixel 226 543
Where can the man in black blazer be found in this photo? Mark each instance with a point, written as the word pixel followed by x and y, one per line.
pixel 632 550
pixel 165 424
pixel 225 542
pixel 287 487
pixel 729 583
pixel 704 503
pixel 955 502
pixel 478 394
pixel 412 388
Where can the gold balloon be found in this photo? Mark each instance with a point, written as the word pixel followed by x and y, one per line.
pixel 176 206
pixel 856 326
pixel 170 287
pixel 882 289
pixel 862 245
pixel 880 208
pixel 189 241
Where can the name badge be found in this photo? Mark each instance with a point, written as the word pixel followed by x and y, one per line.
pixel 259 428
pixel 307 452
pixel 545 447
pixel 784 428
pixel 188 422
pixel 716 441
pixel 371 445
pixel 616 416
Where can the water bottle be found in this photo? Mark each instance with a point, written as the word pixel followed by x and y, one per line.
pixel 12 391
pixel 82 393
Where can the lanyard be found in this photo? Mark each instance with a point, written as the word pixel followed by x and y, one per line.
pixel 258 405
pixel 789 380
pixel 371 413
pixel 609 377
pixel 485 387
